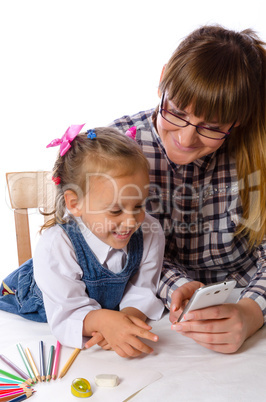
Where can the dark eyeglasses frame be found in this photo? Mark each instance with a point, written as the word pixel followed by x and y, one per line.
pixel 161 109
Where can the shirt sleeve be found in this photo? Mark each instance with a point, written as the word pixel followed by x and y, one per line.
pixel 257 285
pixel 59 277
pixel 172 278
pixel 142 288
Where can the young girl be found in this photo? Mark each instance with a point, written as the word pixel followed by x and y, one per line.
pixel 206 144
pixel 98 262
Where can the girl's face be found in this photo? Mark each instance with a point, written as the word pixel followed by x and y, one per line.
pixel 114 208
pixel 183 144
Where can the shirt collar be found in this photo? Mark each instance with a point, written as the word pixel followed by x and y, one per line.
pixel 99 248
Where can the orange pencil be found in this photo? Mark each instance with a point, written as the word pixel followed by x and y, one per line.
pixel 69 362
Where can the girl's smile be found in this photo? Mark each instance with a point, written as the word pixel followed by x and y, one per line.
pixel 114 207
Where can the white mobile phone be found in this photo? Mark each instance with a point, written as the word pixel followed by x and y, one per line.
pixel 209 295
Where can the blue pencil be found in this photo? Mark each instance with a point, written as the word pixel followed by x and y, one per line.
pixel 42 361
pixel 2 387
pixel 6 380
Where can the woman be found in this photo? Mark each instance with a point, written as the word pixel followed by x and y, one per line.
pixel 206 144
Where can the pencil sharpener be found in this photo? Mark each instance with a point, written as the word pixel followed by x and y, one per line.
pixel 81 388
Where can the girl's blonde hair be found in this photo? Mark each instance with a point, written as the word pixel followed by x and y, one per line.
pixel 110 151
pixel 222 74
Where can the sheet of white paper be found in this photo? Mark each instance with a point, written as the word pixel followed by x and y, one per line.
pixel 87 365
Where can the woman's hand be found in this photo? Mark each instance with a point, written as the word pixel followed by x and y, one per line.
pixel 222 328
pixel 180 298
pixel 119 331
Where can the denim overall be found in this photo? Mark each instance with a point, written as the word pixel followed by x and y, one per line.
pixel 21 295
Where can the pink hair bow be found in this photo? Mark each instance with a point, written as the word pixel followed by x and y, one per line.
pixel 131 132
pixel 68 137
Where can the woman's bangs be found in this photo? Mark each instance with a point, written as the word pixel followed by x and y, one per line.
pixel 212 101
pixel 215 91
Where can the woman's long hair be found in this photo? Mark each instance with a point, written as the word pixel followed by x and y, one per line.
pixel 222 74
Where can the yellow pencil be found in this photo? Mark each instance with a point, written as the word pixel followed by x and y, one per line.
pixel 33 365
pixel 69 362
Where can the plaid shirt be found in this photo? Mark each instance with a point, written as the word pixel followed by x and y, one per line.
pixel 199 208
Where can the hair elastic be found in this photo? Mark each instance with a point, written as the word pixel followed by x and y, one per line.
pixel 91 134
pixel 56 180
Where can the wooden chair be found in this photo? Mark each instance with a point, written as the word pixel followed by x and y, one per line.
pixel 29 190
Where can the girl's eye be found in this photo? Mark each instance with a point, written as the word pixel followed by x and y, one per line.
pixel 116 212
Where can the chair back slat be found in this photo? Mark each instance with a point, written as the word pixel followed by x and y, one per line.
pixel 29 190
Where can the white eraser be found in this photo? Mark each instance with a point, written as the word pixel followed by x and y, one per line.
pixel 106 380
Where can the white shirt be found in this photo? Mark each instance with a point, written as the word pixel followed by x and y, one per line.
pixel 59 277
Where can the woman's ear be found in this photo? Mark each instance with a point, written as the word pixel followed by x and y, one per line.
pixel 161 77
pixel 72 203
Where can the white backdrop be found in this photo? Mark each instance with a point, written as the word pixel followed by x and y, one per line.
pixel 80 61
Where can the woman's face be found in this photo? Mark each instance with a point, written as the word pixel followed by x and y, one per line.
pixel 184 145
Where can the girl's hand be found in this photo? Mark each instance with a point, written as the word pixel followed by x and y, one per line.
pixel 121 332
pixel 180 298
pixel 97 338
pixel 222 328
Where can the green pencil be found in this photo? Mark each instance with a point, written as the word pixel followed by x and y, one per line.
pixel 26 363
pixel 9 375
pixel 50 364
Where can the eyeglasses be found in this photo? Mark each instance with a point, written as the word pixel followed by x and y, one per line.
pixel 201 130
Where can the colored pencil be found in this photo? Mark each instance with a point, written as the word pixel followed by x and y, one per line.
pixel 18 398
pixel 42 370
pixel 9 398
pixel 50 364
pixel 14 367
pixel 69 362
pixel 26 363
pixel 9 381
pixel 4 387
pixel 22 385
pixel 9 375
pixel 56 360
pixel 9 392
pixel 32 364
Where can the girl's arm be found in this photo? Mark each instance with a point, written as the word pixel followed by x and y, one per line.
pixel 120 330
pixel 140 300
pixel 58 276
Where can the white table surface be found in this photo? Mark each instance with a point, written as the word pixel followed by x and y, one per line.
pixel 188 371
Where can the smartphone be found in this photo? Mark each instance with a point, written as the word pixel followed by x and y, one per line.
pixel 209 295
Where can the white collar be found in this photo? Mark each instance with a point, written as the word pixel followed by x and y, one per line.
pixel 99 248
